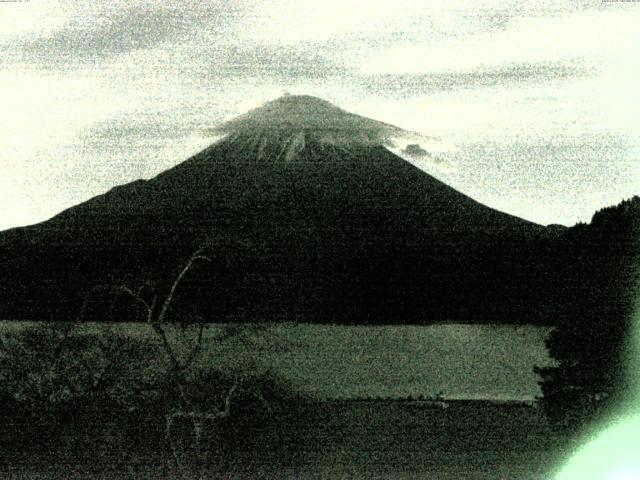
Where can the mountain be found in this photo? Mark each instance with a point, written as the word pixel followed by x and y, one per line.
pixel 306 113
pixel 306 216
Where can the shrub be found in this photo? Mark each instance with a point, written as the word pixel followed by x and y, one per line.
pixel 61 383
pixel 89 393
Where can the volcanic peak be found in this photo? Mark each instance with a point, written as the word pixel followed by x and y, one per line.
pixel 296 114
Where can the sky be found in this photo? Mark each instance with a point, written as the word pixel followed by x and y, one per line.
pixel 534 104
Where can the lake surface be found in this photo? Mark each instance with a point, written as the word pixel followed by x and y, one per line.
pixel 459 361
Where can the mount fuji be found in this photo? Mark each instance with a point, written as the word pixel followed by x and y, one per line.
pixel 307 216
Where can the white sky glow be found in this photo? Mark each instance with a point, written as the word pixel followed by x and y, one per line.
pixel 539 103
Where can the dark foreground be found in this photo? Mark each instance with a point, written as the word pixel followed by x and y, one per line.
pixel 349 440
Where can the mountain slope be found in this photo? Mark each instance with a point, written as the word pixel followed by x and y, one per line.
pixel 309 218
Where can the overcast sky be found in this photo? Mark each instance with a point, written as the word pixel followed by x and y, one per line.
pixel 536 107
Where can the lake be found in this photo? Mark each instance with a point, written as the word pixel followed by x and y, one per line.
pixel 457 360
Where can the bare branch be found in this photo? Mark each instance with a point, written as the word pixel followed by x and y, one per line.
pixel 237 332
pixel 151 307
pixel 165 305
pixel 83 307
pixel 100 377
pixel 206 415
pixel 67 329
pixel 157 327
pixel 131 293
pixel 116 289
pixel 198 347
pixel 259 397
pixel 227 400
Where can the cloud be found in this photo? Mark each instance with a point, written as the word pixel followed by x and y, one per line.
pixel 526 38
pixel 89 32
pixel 412 84
pixel 93 40
pixel 140 147
pixel 429 153
pixel 415 150
pixel 286 62
pixel 290 65
pixel 55 32
pixel 127 130
pixel 22 19
pixel 106 81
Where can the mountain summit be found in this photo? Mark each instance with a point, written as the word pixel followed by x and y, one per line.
pixel 293 120
pixel 309 218
pixel 307 113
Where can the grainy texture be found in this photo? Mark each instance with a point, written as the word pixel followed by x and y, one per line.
pixel 530 106
pixel 514 122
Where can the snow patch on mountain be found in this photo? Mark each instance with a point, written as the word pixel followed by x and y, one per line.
pixel 297 118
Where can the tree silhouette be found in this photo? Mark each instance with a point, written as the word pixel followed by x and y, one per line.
pixel 156 303
pixel 596 268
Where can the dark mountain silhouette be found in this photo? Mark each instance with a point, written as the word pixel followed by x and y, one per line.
pixel 307 218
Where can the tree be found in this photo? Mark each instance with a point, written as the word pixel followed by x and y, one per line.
pixel 201 417
pixel 597 269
